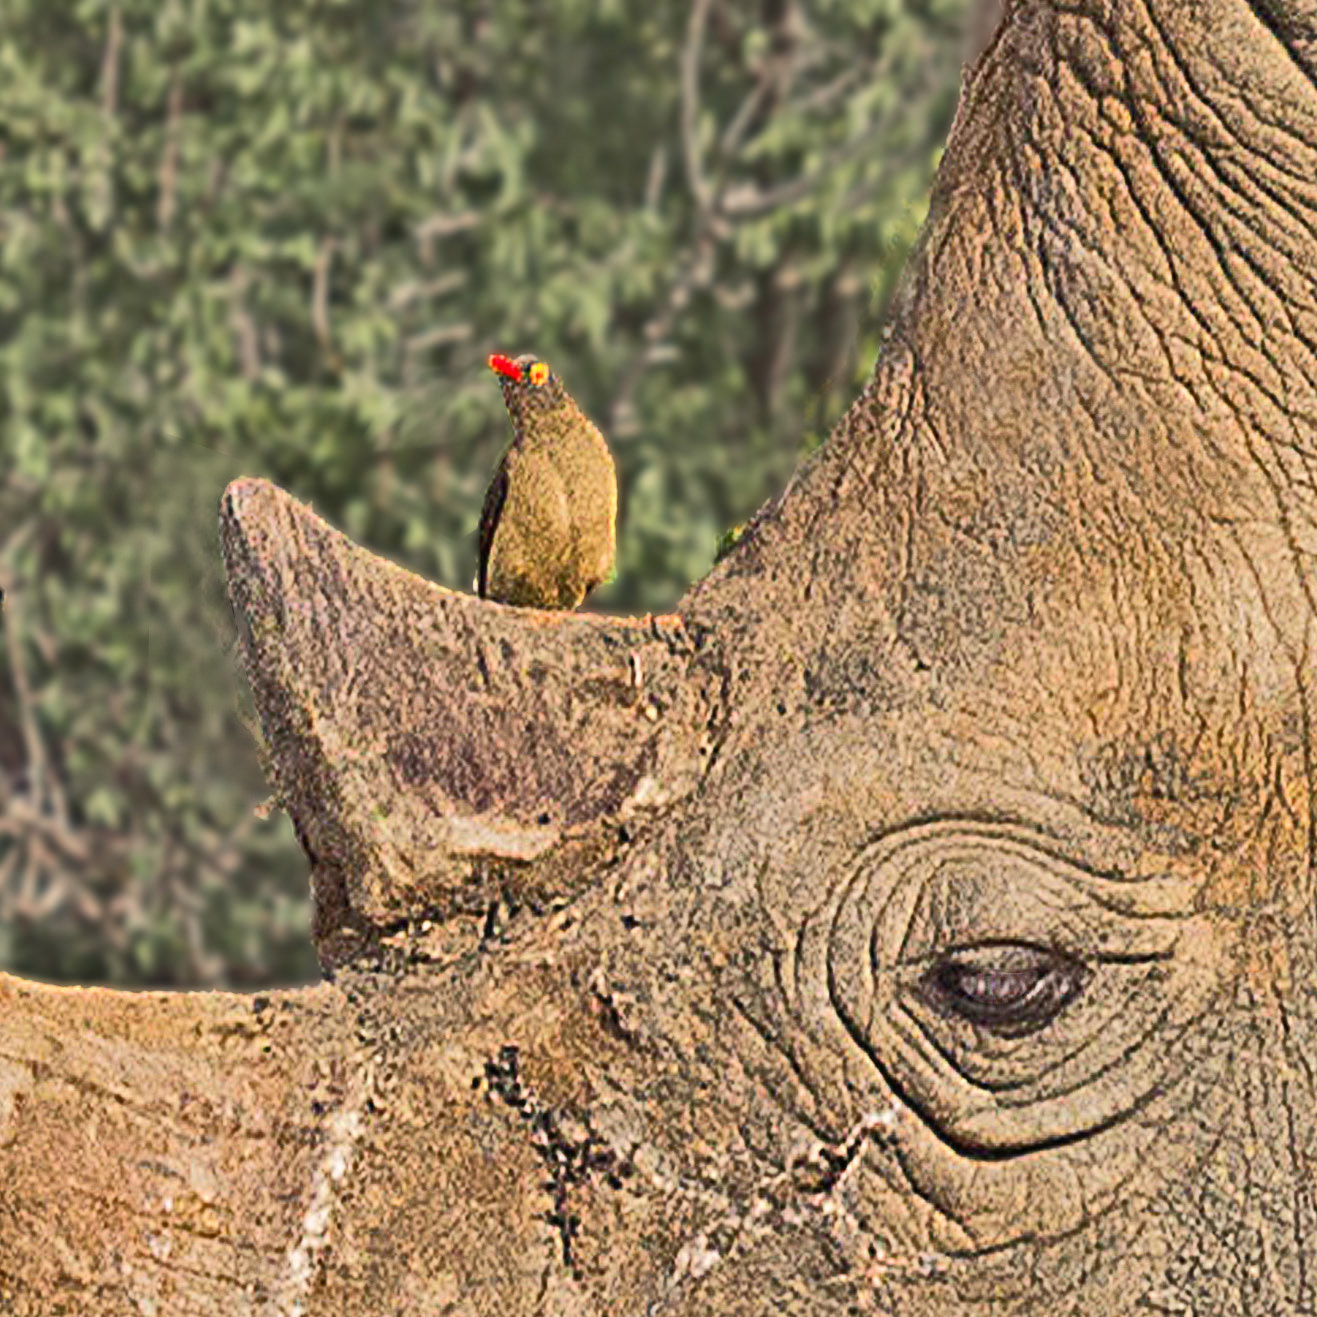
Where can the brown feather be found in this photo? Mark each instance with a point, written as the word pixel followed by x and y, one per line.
pixel 495 497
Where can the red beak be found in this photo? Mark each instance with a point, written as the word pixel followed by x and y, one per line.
pixel 502 365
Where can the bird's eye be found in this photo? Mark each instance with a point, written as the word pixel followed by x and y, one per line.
pixel 1008 989
pixel 538 373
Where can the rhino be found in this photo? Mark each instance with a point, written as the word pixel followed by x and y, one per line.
pixel 919 920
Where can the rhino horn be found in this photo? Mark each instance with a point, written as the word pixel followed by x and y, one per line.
pixel 434 750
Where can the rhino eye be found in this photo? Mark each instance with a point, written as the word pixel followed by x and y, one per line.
pixel 1008 989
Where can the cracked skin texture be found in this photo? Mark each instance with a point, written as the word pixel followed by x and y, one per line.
pixel 938 938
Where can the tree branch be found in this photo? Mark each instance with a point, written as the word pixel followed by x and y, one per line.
pixel 320 293
pixel 749 202
pixel 22 819
pixel 821 97
pixel 717 204
pixel 697 273
pixel 441 226
pixel 690 106
pixel 414 289
pixel 110 64
pixel 33 746
pixel 745 113
pixel 657 176
pixel 169 159
pixel 438 336
pixel 244 327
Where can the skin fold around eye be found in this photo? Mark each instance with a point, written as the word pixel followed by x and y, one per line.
pixel 1007 988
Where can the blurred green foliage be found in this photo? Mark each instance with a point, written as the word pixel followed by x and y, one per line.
pixel 279 240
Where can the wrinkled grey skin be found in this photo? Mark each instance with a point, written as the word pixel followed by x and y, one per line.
pixel 1050 684
pixel 969 967
pixel 918 922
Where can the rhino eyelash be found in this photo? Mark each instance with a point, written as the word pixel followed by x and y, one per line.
pixel 1007 989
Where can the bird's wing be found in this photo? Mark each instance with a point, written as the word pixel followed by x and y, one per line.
pixel 495 497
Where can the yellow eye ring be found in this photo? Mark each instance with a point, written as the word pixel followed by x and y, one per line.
pixel 539 372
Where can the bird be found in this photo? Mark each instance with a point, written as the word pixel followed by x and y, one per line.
pixel 548 525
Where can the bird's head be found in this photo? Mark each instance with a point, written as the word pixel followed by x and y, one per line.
pixel 528 384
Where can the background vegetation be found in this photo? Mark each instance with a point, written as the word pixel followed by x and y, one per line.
pixel 280 239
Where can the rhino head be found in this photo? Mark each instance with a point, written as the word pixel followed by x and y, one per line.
pixel 921 919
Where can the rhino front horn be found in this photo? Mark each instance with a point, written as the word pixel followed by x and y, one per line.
pixel 433 751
